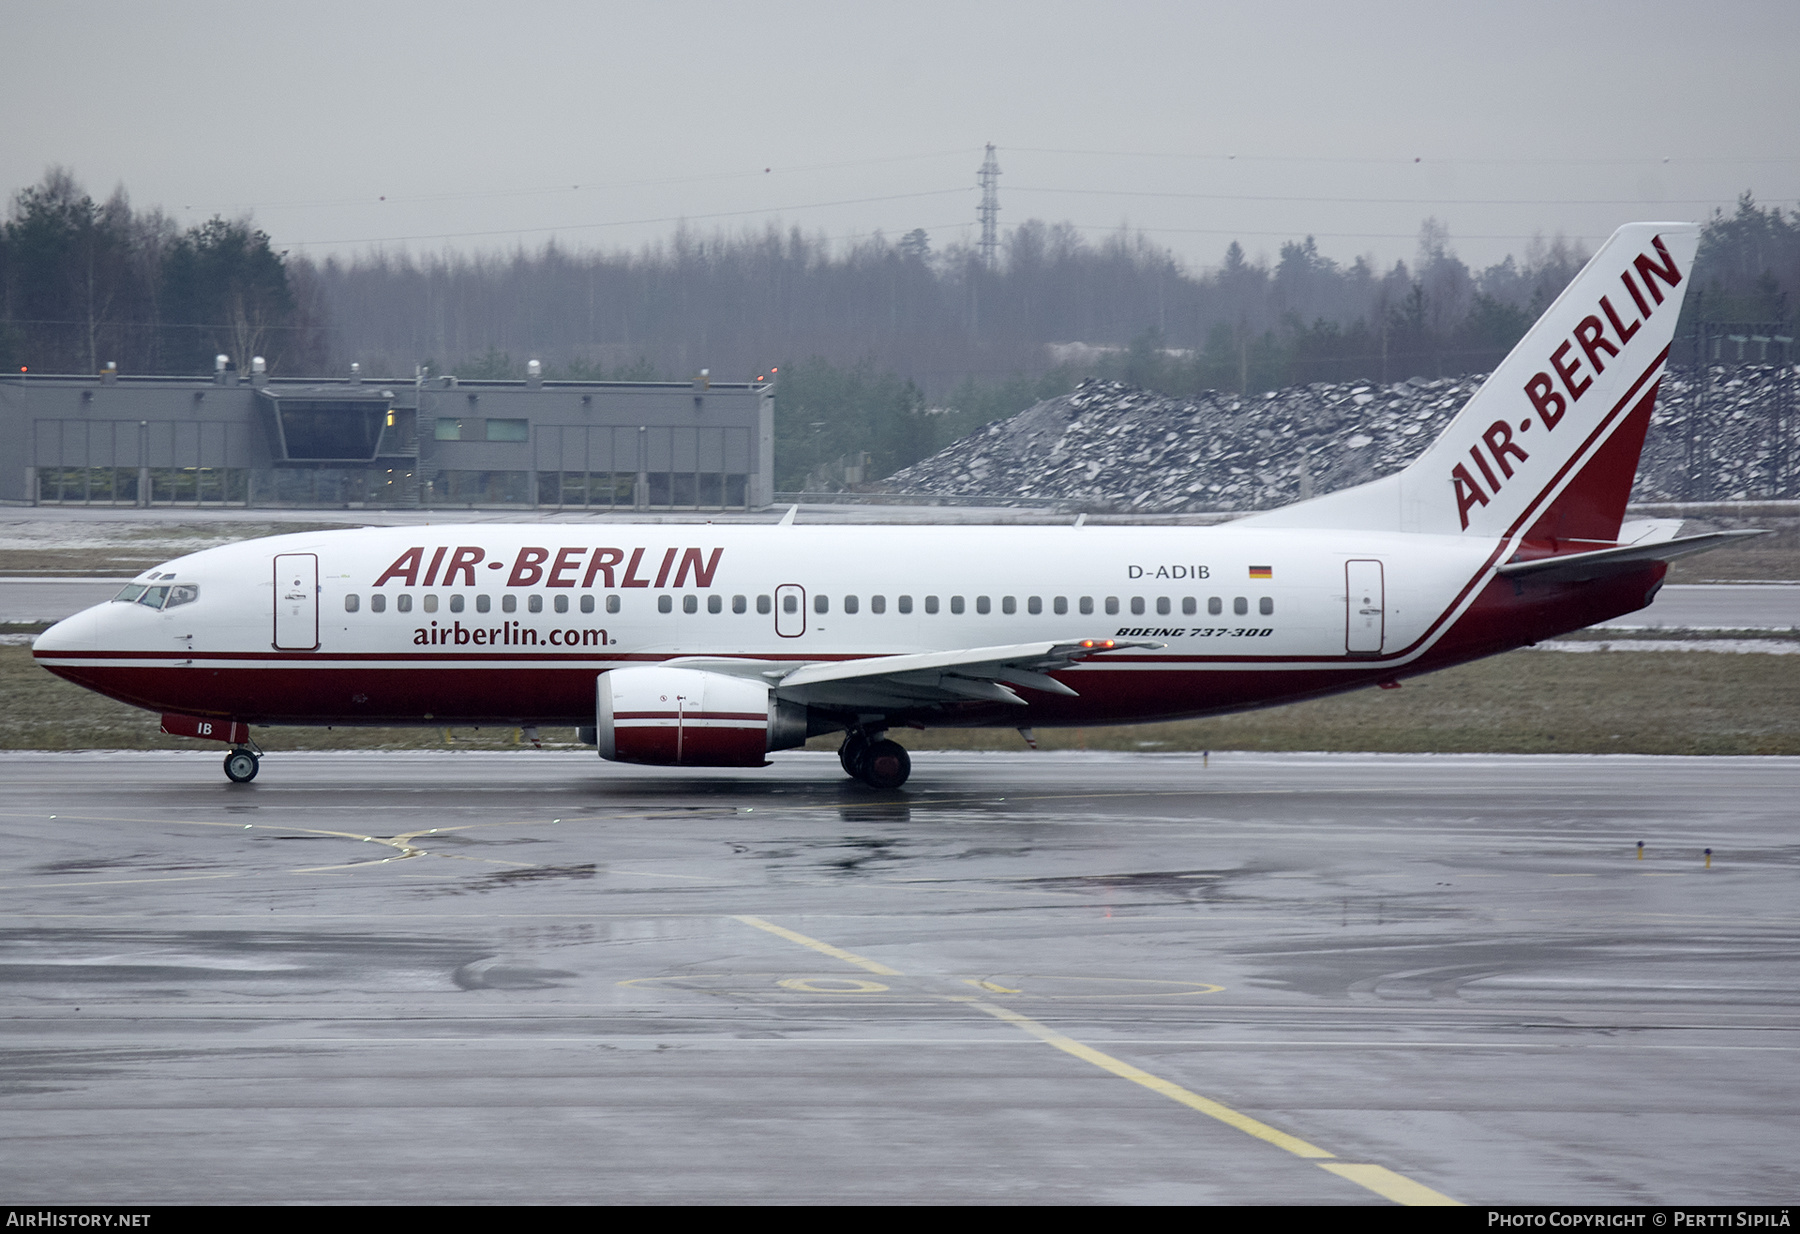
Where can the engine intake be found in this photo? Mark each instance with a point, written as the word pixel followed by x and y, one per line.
pixel 683 717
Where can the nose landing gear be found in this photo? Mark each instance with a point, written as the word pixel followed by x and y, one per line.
pixel 241 765
pixel 874 759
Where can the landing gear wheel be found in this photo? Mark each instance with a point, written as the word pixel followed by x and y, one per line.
pixel 885 765
pixel 240 766
pixel 853 753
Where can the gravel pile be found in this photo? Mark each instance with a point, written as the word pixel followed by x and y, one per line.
pixel 1109 446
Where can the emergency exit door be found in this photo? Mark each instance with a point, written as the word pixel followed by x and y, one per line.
pixel 790 610
pixel 297 602
pixel 1365 616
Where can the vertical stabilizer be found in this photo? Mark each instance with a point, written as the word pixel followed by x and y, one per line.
pixel 1548 447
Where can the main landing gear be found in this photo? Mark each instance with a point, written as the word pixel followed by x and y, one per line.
pixel 241 765
pixel 875 761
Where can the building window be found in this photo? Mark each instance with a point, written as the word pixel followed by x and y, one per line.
pixel 508 430
pixel 449 429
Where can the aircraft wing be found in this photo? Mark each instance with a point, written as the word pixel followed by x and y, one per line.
pixel 1578 567
pixel 977 674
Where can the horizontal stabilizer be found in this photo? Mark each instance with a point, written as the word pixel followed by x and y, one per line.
pixel 1577 567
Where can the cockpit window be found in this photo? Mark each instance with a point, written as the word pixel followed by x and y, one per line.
pixel 166 596
pixel 132 591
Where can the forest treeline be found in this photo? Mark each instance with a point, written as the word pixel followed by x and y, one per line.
pixel 889 348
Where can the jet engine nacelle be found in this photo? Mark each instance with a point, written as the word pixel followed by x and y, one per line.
pixel 684 717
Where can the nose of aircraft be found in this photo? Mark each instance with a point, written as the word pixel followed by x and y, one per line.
pixel 78 633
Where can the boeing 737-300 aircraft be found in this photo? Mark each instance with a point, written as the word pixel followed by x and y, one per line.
pixel 711 646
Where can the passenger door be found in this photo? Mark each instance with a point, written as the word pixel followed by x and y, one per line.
pixel 297 602
pixel 1365 605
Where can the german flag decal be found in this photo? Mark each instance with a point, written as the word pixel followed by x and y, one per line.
pixel 1262 572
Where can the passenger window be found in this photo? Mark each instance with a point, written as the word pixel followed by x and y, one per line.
pixel 715 604
pixel 1266 605
pixel 906 604
pixel 1189 606
pixel 931 604
pixel 850 604
pixel 378 603
pixel 1112 605
pixel 1162 606
pixel 878 604
pixel 587 604
pixel 403 603
pixel 351 603
pixel 1087 605
pixel 534 604
pixel 689 604
pixel 1060 605
pixel 612 604
pixel 1214 605
pixel 456 604
pixel 1240 606
pixel 431 604
pixel 483 603
pixel 790 603
pixel 509 604
pixel 764 605
pixel 821 604
pixel 1137 606
pixel 1035 605
pixel 664 604
pixel 562 604
pixel 956 604
pixel 1010 605
pixel 739 604
pixel 981 605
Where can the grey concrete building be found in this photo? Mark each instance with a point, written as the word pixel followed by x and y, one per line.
pixel 253 440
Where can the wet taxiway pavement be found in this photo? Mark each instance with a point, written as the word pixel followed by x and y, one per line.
pixel 535 977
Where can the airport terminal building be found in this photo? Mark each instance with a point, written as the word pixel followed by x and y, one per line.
pixel 426 442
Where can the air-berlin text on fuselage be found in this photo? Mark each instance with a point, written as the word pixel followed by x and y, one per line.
pixel 612 568
pixel 1552 397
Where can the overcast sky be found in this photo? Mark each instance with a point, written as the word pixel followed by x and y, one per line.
pixel 345 126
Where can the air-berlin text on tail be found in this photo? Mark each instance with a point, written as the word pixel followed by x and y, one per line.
pixel 563 567
pixel 1574 375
